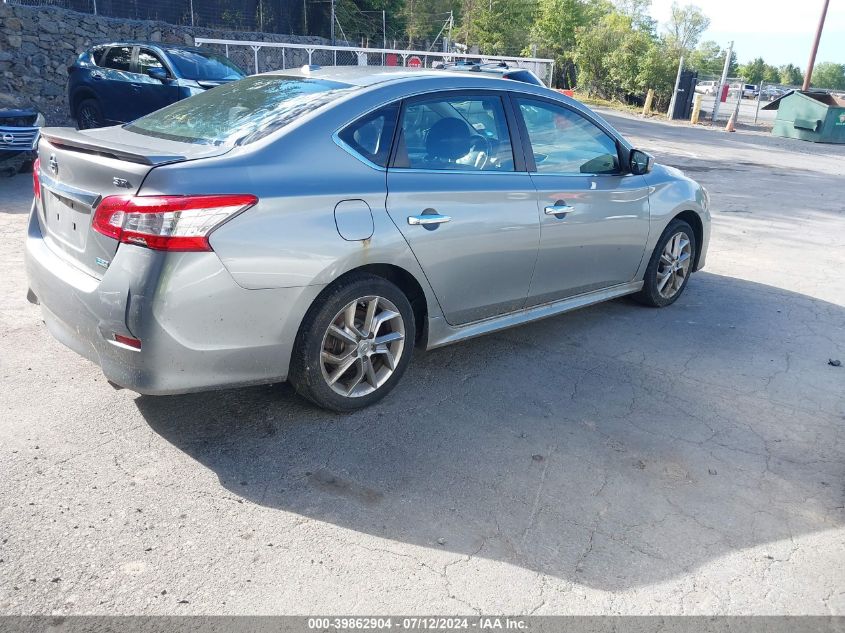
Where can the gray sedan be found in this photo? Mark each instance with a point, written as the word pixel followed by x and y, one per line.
pixel 318 225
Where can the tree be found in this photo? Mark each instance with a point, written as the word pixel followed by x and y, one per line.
pixel 686 26
pixel 707 59
pixel 498 27
pixel 829 75
pixel 753 71
pixel 791 75
pixel 640 13
pixel 554 31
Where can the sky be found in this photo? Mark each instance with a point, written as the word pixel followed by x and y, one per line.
pixel 780 32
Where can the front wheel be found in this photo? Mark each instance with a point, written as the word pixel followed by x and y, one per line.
pixel 670 266
pixel 354 344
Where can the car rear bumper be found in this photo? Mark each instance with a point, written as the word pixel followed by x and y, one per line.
pixel 199 330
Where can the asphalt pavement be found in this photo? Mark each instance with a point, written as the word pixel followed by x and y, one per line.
pixel 618 459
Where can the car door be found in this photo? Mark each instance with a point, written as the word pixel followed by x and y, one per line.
pixel 113 84
pixel 594 217
pixel 462 199
pixel 151 94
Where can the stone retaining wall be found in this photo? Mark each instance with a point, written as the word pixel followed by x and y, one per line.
pixel 38 44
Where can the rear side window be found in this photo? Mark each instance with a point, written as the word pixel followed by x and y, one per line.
pixel 454 132
pixel 241 111
pixel 372 135
pixel 119 58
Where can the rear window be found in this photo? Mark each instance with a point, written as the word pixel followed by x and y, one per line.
pixel 202 66
pixel 240 112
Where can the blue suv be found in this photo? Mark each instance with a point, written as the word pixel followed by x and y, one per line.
pixel 119 82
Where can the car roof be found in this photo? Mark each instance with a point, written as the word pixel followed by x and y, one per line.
pixel 363 76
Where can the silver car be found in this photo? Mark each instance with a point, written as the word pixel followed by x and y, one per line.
pixel 318 225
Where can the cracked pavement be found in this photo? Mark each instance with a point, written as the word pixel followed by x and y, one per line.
pixel 616 460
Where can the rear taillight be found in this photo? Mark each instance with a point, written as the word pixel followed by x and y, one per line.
pixel 36 178
pixel 167 223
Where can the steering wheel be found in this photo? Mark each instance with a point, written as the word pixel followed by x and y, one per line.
pixel 483 147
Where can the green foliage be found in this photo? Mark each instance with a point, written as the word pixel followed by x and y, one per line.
pixel 709 59
pixel 498 27
pixel 790 75
pixel 615 60
pixel 554 29
pixel 829 75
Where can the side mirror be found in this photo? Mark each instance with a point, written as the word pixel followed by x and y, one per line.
pixel 641 162
pixel 158 73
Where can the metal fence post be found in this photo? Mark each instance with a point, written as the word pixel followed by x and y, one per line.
pixel 759 96
pixel 255 50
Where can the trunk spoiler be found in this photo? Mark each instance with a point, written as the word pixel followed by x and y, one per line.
pixel 67 137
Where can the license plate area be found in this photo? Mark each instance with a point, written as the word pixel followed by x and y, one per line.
pixel 67 220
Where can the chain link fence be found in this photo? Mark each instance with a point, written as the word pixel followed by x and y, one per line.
pixel 739 97
pixel 255 57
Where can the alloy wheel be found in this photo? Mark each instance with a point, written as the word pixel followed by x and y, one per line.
pixel 362 346
pixel 674 265
pixel 88 117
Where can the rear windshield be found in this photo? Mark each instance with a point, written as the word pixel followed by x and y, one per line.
pixel 203 66
pixel 240 112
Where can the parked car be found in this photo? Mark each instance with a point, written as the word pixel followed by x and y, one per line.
pixel 119 82
pixel 317 225
pixel 746 91
pixel 501 69
pixel 707 87
pixel 19 126
pixel 770 93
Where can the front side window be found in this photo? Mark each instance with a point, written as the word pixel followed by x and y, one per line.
pixel 372 135
pixel 465 133
pixel 241 111
pixel 564 142
pixel 119 58
pixel 147 60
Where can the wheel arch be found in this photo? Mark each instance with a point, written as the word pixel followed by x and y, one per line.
pixel 405 281
pixel 694 220
pixel 79 95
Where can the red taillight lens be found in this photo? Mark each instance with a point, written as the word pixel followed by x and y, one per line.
pixel 36 178
pixel 128 341
pixel 167 223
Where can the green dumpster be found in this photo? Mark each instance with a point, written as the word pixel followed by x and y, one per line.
pixel 811 116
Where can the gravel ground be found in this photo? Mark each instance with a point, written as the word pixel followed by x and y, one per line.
pixel 614 460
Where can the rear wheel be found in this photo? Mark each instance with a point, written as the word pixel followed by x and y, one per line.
pixel 670 266
pixel 88 114
pixel 354 344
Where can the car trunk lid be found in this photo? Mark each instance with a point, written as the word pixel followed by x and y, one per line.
pixel 80 168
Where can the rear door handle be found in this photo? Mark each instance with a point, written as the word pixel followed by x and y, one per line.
pixel 427 218
pixel 558 209
pixel 135 86
pixel 96 76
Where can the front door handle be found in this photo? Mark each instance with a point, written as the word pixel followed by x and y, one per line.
pixel 427 218
pixel 559 208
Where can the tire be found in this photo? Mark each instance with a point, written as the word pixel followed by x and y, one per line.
pixel 89 115
pixel 667 275
pixel 325 333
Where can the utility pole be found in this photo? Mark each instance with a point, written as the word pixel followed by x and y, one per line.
pixel 333 18
pixel 383 33
pixel 722 81
pixel 809 74
pixel 675 91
